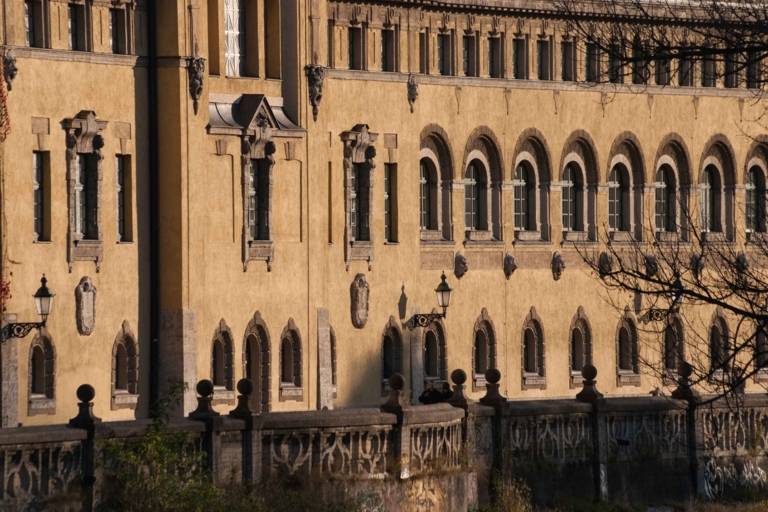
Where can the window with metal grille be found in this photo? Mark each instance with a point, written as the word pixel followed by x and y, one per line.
pixel 234 38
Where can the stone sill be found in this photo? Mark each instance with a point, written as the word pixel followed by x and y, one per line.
pixel 222 395
pixel 667 236
pixel 577 380
pixel 761 375
pixel 291 393
pixel 534 381
pixel 479 382
pixel 124 400
pixel 627 379
pixel 431 235
pixel 714 237
pixel 114 59
pixel 576 236
pixel 361 250
pixel 621 236
pixel 39 404
pixel 528 236
pixel 478 235
pixel 757 237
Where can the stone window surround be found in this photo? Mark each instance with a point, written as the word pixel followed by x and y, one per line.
pixel 42 24
pixel 436 233
pixel 671 375
pixel 359 149
pixel 84 137
pixel 525 157
pixel 42 403
pixel 579 321
pixel 679 195
pixel 718 153
pixel 485 324
pixel 257 144
pixel 628 377
pixel 126 399
pixel 87 35
pixel 223 334
pixel 258 331
pixel 289 391
pixel 392 329
pixel 128 7
pixel 588 201
pixel 536 380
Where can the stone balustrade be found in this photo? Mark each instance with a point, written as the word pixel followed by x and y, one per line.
pixel 595 447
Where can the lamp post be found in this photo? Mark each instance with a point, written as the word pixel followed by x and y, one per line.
pixel 443 292
pixel 43 304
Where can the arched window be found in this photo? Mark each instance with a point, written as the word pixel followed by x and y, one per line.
pixel 673 347
pixel 483 348
pixel 719 349
pixel 761 349
pixel 434 353
pixel 41 376
pixel 665 196
pixel 256 363
pixel 476 196
pixel 290 363
pixel 755 207
pixel 580 346
pixel 525 197
pixel 533 352
pixel 428 195
pixel 573 198
pixel 436 154
pixel 221 359
pixel 391 353
pixel 125 369
pixel 710 200
pixel 619 212
pixel 627 352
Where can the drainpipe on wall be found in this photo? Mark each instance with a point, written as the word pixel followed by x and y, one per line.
pixel 154 249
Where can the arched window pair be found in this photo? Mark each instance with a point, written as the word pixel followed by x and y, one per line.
pixel 435 367
pixel 534 375
pixel 42 366
pixel 125 369
pixel 483 349
pixel 627 355
pixel 391 354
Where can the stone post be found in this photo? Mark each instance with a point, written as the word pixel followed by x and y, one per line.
pixel 401 439
pixel 493 398
pixel 86 420
pixel 9 377
pixel 694 429
pixel 417 363
pixel 590 394
pixel 243 412
pixel 205 413
pixel 324 361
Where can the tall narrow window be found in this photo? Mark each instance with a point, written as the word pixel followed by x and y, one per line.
pixel 391 352
pixel 41 376
pixel 685 69
pixel 272 38
pixel 616 64
pixel 618 199
pixel 592 62
pixel 525 198
pixel 533 352
pixel 755 207
pixel 428 195
pixel 673 348
pixel 118 34
pixel 719 352
pixel 470 54
pixel 124 194
pixel 78 29
pixel 86 197
pixel 573 194
pixel 360 202
pixel 434 354
pixel 221 362
pixel 234 38
pixel 731 75
pixel 445 53
pixel 627 348
pixel 761 349
pixel 258 200
pixel 709 202
pixel 568 60
pixel 495 56
pixel 355 47
pixel 581 347
pixel 389 49
pixel 331 39
pixel 665 214
pixel 290 360
pixel 520 49
pixel 475 190
pixel 639 63
pixel 544 59
pixel 663 67
pixel 708 69
pixel 754 69
pixel 424 51
pixel 42 196
pixel 35 22
pixel 482 354
pixel 390 202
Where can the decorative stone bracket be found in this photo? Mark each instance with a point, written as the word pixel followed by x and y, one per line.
pixel 9 68
pixel 315 77
pixel 196 73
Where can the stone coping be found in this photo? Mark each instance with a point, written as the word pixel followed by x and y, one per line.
pixel 545 407
pixel 40 435
pixel 320 419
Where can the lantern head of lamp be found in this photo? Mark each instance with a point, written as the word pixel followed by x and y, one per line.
pixel 443 292
pixel 43 300
pixel 43 304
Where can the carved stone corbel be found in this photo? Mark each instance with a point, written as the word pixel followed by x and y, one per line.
pixel 413 90
pixel 510 265
pixel 558 266
pixel 85 306
pixel 196 73
pixel 9 68
pixel 315 76
pixel 358 295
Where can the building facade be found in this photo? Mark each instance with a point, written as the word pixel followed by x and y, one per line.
pixel 272 189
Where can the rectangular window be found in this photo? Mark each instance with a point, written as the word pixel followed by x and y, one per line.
pixel 663 67
pixel 234 38
pixel 360 202
pixel 124 194
pixel 708 71
pixel 495 57
pixel 754 70
pixel 86 197
pixel 356 47
pixel 118 40
pixel 78 28
pixel 592 63
pixel 520 50
pixel 272 38
pixel 615 64
pixel 470 55
pixel 331 45
pixel 544 57
pixel 568 61
pixel 42 196
pixel 731 78
pixel 390 202
pixel 34 23
pixel 258 200
pixel 389 49
pixel 424 52
pixel 685 70
pixel 445 53
pixel 639 64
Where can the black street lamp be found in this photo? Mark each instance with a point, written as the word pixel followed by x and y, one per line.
pixel 43 304
pixel 443 292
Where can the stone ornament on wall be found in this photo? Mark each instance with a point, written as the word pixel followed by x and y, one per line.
pixel 315 76
pixel 413 90
pixel 359 301
pixel 85 306
pixel 604 264
pixel 651 265
pixel 510 264
pixel 460 265
pixel 196 72
pixel 558 266
pixel 9 68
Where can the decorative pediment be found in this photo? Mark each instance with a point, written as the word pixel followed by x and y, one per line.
pixel 254 115
pixel 358 144
pixel 84 132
